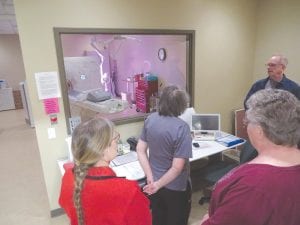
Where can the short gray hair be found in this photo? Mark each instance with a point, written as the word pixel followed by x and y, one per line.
pixel 282 59
pixel 277 112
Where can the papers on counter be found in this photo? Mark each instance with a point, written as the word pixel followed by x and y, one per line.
pixel 125 158
pixel 132 171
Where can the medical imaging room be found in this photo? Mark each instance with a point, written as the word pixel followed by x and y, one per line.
pixel 120 75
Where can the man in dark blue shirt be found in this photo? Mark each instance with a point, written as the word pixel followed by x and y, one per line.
pixel 276 79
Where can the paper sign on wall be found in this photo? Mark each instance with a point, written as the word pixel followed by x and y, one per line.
pixel 47 85
pixel 51 105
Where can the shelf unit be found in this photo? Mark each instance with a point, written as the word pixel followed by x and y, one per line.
pixel 6 99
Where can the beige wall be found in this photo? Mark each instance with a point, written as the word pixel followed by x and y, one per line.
pixel 278 31
pixel 225 38
pixel 11 61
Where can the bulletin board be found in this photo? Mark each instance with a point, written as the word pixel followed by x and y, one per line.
pixel 240 127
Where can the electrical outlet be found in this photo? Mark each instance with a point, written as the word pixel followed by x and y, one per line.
pixel 74 121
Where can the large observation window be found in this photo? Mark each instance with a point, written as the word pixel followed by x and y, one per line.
pixel 119 73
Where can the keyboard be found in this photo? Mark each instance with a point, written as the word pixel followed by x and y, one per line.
pixel 205 137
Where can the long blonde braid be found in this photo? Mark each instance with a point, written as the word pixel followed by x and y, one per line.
pixel 80 172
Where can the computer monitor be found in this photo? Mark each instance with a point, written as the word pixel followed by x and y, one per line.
pixel 206 123
pixel 187 116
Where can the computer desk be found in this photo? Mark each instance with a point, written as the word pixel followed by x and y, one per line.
pixel 134 171
pixel 208 148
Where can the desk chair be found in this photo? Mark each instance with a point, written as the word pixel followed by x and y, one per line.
pixel 220 168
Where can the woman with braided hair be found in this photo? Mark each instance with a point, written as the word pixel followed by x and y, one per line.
pixel 91 193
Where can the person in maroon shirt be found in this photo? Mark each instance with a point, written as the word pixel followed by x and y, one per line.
pixel 91 193
pixel 264 191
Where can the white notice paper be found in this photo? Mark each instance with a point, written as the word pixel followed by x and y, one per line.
pixel 126 158
pixel 47 85
pixel 132 171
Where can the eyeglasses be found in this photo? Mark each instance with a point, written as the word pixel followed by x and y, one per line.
pixel 116 136
pixel 245 122
pixel 272 64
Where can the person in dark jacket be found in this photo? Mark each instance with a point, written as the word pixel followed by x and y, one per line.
pixel 276 79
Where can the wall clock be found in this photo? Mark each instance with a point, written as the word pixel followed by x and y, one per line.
pixel 162 54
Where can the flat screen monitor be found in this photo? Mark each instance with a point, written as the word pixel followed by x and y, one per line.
pixel 187 116
pixel 206 122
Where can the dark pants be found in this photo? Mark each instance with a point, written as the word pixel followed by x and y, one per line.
pixel 171 207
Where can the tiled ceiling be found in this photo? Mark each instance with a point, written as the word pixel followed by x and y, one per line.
pixel 8 24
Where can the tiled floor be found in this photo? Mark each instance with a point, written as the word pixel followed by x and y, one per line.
pixel 22 189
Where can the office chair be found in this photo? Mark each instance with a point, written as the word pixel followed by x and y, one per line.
pixel 220 168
